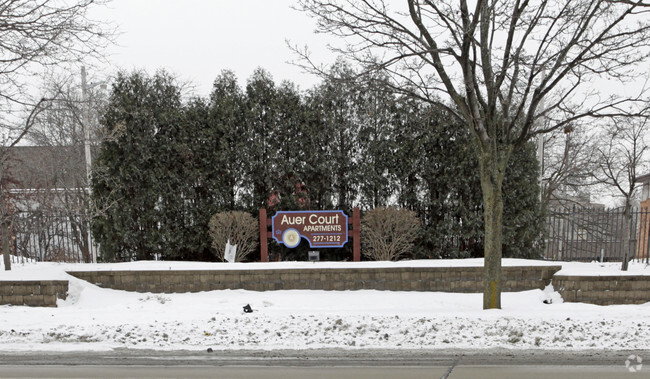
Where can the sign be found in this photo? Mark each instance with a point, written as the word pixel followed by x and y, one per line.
pixel 230 253
pixel 320 228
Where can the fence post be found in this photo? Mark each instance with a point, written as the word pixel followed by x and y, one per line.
pixel 646 238
pixel 264 243
pixel 6 251
pixel 356 234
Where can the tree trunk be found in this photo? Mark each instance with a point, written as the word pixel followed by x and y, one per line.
pixel 627 223
pixel 492 166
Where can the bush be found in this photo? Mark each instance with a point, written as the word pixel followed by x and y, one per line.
pixel 388 233
pixel 240 228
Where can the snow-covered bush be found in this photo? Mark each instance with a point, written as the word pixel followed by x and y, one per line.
pixel 240 228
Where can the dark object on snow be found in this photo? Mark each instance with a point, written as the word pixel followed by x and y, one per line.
pixel 248 309
pixel 548 301
pixel 209 350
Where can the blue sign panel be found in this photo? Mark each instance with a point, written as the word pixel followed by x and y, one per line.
pixel 320 228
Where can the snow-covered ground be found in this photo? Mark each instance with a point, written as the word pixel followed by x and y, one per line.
pixel 94 318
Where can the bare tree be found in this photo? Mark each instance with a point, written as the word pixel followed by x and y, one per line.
pixel 236 228
pixel 388 233
pixel 62 123
pixel 6 180
pixel 569 159
pixel 59 134
pixel 621 154
pixel 38 35
pixel 500 67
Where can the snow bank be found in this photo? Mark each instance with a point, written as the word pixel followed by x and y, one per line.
pixel 173 265
pixel 94 318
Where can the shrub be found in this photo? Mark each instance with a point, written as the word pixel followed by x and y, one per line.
pixel 388 233
pixel 240 228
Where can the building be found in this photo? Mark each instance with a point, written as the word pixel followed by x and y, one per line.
pixel 45 191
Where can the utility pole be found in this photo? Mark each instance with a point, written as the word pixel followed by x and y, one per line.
pixel 86 130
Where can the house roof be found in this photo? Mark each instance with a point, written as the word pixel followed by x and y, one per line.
pixel 643 178
pixel 43 167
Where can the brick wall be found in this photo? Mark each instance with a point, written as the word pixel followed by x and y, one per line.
pixel 37 293
pixel 454 279
pixel 603 290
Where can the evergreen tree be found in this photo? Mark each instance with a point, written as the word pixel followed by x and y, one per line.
pixel 226 141
pixel 127 181
pixel 260 157
pixel 168 167
pixel 318 166
pixel 437 177
pixel 524 217
pixel 290 185
pixel 377 113
pixel 174 170
pixel 338 120
pixel 190 189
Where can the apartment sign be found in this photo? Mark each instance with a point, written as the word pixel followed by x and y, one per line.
pixel 320 228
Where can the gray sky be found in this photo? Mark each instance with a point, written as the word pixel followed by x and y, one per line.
pixel 196 39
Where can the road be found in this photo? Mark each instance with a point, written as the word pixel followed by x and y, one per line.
pixel 324 363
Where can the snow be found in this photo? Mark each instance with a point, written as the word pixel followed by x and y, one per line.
pixel 94 318
pixel 603 269
pixel 167 265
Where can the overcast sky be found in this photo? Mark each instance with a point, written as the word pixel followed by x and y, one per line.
pixel 197 39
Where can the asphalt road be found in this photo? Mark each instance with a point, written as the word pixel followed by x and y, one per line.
pixel 377 372
pixel 325 363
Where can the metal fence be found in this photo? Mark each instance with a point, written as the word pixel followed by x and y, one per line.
pixel 51 236
pixel 573 234
pixel 596 234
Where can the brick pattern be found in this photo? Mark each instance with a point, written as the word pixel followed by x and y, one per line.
pixel 454 279
pixel 36 293
pixel 603 290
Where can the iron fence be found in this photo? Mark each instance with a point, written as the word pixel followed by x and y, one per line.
pixel 573 234
pixel 596 234
pixel 51 236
